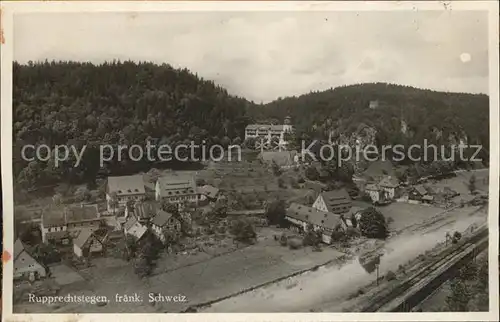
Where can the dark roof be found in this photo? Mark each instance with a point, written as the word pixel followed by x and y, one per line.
pixel 314 216
pixel 176 185
pixel 161 218
pixel 126 185
pixel 145 209
pixel 53 217
pixel 83 236
pixel 81 213
pixel 335 198
pixel 389 182
pixel 372 187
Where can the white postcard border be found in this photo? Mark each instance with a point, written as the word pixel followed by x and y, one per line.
pixel 9 9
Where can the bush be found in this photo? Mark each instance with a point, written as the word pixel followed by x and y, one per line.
pixel 352 232
pixel 281 183
pixel 469 271
pixel 390 276
pixel 301 180
pixel 283 240
pixel 312 173
pixel 389 220
pixel 294 243
pixel 372 224
pixel 243 231
pixel 338 236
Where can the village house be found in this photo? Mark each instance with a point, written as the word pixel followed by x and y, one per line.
pixel 375 192
pixel 163 223
pixel 207 193
pixel 53 226
pixel 134 228
pixel 25 265
pixel 390 186
pixel 120 190
pixel 58 225
pixel 176 189
pixel 301 217
pixel 82 217
pixel 335 201
pixel 86 244
pixel 267 132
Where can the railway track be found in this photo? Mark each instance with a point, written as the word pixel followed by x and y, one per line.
pixel 408 294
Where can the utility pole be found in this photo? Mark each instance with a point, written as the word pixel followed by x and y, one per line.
pixel 377 266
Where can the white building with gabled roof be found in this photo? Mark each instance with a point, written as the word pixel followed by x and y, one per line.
pixel 25 265
pixel 176 188
pixel 124 189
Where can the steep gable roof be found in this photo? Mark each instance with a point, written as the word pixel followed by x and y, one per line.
pixel 389 182
pixel 145 209
pixel 335 198
pixel 83 237
pixel 18 248
pixel 208 190
pixel 161 218
pixel 53 216
pixel 126 185
pixel 314 216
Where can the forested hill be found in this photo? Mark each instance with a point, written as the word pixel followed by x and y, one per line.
pixel 116 103
pixel 59 101
pixel 127 103
pixel 343 109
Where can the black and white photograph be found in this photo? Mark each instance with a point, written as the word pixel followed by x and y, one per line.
pixel 232 157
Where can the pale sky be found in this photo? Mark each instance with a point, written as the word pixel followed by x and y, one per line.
pixel 266 55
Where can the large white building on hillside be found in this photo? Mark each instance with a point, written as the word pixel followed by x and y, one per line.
pixel 268 131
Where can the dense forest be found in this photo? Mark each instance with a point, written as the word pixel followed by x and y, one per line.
pixel 128 103
pixel 114 103
pixel 344 109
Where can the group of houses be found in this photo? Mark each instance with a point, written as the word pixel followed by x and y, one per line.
pixel 84 228
pixel 331 211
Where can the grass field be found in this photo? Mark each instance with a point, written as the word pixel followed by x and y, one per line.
pixel 207 280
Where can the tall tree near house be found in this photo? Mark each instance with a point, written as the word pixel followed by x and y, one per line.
pixel 147 256
pixel 372 224
pixel 275 213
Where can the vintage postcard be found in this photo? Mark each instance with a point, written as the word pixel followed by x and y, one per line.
pixel 295 160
